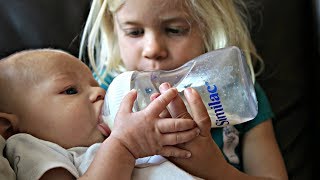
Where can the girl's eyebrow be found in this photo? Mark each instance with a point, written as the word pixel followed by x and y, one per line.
pixel 175 19
pixel 126 22
pixel 164 20
pixel 129 23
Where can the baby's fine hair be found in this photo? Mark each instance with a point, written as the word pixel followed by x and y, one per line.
pixel 224 23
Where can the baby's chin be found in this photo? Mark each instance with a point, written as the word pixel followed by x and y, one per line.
pixel 98 138
pixel 103 137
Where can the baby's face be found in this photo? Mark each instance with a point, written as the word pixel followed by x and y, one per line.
pixel 63 103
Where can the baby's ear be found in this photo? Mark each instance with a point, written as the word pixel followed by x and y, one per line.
pixel 6 128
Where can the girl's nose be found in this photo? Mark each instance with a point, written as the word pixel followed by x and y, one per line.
pixel 97 94
pixel 154 48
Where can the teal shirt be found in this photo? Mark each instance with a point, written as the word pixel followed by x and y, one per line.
pixel 264 113
pixel 229 139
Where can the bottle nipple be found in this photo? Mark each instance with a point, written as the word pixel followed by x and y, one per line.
pixel 106 117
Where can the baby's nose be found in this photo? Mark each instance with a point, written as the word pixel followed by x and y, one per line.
pixel 98 94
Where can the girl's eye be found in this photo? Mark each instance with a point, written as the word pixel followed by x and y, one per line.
pixel 70 91
pixel 135 32
pixel 177 31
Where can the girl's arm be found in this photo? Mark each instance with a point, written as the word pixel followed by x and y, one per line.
pixel 261 154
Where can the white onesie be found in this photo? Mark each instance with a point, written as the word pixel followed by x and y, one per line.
pixel 31 157
pixel 5 170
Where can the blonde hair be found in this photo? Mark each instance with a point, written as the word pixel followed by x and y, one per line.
pixel 223 22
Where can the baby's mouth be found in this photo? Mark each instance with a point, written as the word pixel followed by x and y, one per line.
pixel 103 128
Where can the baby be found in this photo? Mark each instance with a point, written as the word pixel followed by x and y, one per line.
pixel 50 114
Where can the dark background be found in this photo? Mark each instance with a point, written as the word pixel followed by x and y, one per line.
pixel 285 32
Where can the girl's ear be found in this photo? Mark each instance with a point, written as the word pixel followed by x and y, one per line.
pixel 6 124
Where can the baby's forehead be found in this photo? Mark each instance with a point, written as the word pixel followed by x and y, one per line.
pixel 43 59
pixel 31 59
pixel 42 63
pixel 37 55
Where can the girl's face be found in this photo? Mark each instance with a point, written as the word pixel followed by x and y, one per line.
pixel 156 34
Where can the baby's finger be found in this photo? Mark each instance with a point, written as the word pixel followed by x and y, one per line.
pixel 165 113
pixel 176 107
pixel 175 125
pixel 172 151
pixel 154 96
pixel 179 137
pixel 199 111
pixel 160 103
pixel 128 101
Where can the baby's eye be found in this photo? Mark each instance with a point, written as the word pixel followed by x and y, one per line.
pixel 134 32
pixel 176 30
pixel 71 90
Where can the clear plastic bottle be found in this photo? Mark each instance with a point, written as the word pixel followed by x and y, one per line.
pixel 222 78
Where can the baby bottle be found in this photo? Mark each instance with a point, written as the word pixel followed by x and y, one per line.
pixel 221 77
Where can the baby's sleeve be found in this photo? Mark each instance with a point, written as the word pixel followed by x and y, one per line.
pixel 31 157
pixel 6 172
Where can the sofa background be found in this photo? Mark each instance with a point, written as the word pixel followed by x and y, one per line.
pixel 285 32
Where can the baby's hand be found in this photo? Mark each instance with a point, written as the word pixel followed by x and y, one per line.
pixel 144 133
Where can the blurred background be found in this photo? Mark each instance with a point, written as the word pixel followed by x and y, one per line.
pixel 286 34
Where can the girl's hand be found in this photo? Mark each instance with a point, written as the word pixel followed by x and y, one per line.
pixel 207 160
pixel 144 133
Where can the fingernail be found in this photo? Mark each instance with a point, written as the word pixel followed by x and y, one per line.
pixel 188 155
pixel 164 86
pixel 188 92
pixel 198 132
